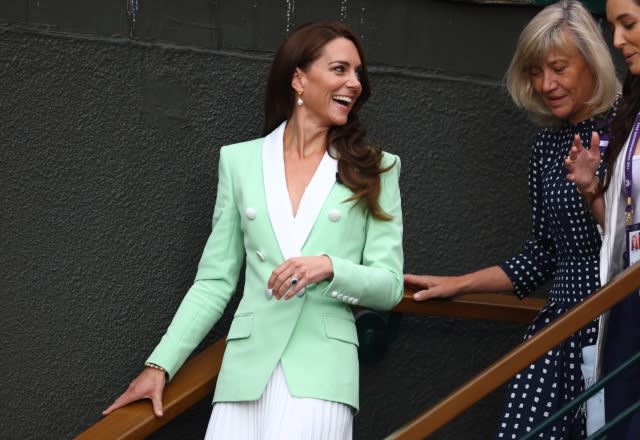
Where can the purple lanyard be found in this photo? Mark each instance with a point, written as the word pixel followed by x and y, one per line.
pixel 628 169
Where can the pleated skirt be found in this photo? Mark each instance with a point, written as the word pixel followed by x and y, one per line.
pixel 279 415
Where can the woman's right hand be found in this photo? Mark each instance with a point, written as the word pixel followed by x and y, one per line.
pixel 148 385
pixel 429 286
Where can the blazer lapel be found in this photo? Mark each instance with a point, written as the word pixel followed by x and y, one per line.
pixel 291 233
pixel 275 189
pixel 314 198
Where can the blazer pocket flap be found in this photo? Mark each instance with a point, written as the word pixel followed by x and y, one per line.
pixel 240 327
pixel 341 329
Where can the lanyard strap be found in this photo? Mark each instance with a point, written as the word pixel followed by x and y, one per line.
pixel 628 169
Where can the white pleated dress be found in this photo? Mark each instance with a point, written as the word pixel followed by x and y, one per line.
pixel 278 415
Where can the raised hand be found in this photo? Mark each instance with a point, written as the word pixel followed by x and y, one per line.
pixel 581 163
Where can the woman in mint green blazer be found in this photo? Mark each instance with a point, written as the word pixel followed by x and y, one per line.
pixel 314 211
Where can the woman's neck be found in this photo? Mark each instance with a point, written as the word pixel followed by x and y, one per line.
pixel 305 138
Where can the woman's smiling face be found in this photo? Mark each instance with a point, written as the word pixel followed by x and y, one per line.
pixel 331 84
pixel 624 18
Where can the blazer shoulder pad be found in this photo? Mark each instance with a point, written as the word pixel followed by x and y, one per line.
pixel 243 148
pixel 389 159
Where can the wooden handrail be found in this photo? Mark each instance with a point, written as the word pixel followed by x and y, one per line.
pixel 193 382
pixel 197 377
pixel 520 357
pixel 492 306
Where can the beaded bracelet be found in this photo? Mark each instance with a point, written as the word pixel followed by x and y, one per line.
pixel 157 367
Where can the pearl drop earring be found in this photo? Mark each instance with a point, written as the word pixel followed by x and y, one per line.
pixel 299 101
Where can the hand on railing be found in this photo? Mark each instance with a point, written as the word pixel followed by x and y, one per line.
pixel 148 385
pixel 489 279
pixel 429 286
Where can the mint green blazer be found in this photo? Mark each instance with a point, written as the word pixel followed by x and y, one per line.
pixel 313 336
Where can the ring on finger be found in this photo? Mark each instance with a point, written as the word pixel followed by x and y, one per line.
pixel 294 281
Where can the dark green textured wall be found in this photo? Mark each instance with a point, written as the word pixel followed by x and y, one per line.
pixel 109 140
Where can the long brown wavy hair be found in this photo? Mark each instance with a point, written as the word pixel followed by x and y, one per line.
pixel 622 122
pixel 359 163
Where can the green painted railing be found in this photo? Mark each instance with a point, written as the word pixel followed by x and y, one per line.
pixel 593 389
pixel 620 417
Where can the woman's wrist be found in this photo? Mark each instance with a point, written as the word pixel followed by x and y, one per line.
pixel 592 191
pixel 156 367
pixel 464 283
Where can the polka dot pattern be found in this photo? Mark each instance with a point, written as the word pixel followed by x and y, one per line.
pixel 564 246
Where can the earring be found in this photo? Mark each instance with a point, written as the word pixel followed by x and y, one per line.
pixel 299 101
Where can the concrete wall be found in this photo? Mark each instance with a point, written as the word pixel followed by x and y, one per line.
pixel 109 140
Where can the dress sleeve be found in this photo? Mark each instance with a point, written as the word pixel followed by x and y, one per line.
pixel 376 282
pixel 536 262
pixel 214 284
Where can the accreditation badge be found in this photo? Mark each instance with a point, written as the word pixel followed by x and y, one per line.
pixel 633 244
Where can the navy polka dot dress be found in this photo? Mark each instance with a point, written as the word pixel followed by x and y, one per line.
pixel 564 246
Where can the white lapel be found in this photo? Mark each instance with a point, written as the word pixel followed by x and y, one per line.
pixel 275 189
pixel 291 233
pixel 314 197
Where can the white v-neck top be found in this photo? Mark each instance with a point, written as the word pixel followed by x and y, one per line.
pixel 292 232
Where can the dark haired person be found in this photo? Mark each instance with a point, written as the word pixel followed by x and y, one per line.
pixel 314 210
pixel 615 203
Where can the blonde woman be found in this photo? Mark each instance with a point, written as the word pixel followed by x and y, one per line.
pixel 563 75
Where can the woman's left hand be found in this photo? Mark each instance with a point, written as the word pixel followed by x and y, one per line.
pixel 581 163
pixel 296 273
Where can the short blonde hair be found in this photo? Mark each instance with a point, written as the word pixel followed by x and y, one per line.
pixel 549 30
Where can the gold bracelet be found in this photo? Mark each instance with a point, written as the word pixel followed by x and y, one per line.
pixel 157 367
pixel 593 191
